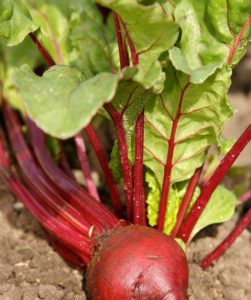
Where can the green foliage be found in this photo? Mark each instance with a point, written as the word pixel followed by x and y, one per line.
pixel 14 58
pixel 152 32
pixel 15 22
pixel 176 195
pixel 203 112
pixel 115 164
pixel 64 103
pixel 52 18
pixel 153 198
pixel 186 50
pixel 210 28
pixel 93 43
pixel 220 208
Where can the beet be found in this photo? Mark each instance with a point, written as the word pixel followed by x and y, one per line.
pixel 137 262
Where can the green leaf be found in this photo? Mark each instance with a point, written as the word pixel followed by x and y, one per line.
pixel 198 75
pixel 14 58
pixel 53 20
pixel 203 111
pixel 61 102
pixel 212 28
pixel 15 22
pixel 153 199
pixel 54 147
pixel 226 145
pixel 115 164
pixel 152 33
pixel 93 43
pixel 181 244
pixel 1 65
pixel 220 208
pixel 177 193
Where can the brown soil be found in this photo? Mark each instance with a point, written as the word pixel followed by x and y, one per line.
pixel 29 268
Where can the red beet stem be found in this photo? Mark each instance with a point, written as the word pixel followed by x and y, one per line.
pixel 5 162
pixel 113 189
pixel 134 54
pixel 188 225
pixel 47 190
pixel 81 149
pixel 61 231
pixel 169 164
pixel 125 163
pixel 79 198
pixel 41 49
pixel 123 56
pixel 35 178
pixel 228 241
pixel 139 210
pixel 246 196
pixel 45 216
pixel 65 252
pixel 186 200
pixel 64 164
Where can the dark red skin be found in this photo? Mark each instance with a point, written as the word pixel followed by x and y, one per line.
pixel 137 263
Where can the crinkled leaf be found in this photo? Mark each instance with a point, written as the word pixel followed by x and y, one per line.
pixel 153 199
pixel 198 75
pixel 203 111
pixel 220 208
pixel 15 22
pixel 210 30
pixel 152 33
pixel 93 43
pixel 61 102
pixel 177 193
pixel 73 32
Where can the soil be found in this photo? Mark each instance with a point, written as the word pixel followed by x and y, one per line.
pixel 31 270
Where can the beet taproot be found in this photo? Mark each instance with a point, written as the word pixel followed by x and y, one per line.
pixel 137 262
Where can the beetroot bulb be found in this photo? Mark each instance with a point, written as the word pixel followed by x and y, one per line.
pixel 136 262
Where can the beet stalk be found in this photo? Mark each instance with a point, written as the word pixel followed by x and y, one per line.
pixel 81 149
pixel 188 225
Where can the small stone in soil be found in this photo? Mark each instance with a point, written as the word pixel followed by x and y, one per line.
pixel 50 292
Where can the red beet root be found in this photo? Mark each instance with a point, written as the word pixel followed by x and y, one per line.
pixel 137 262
